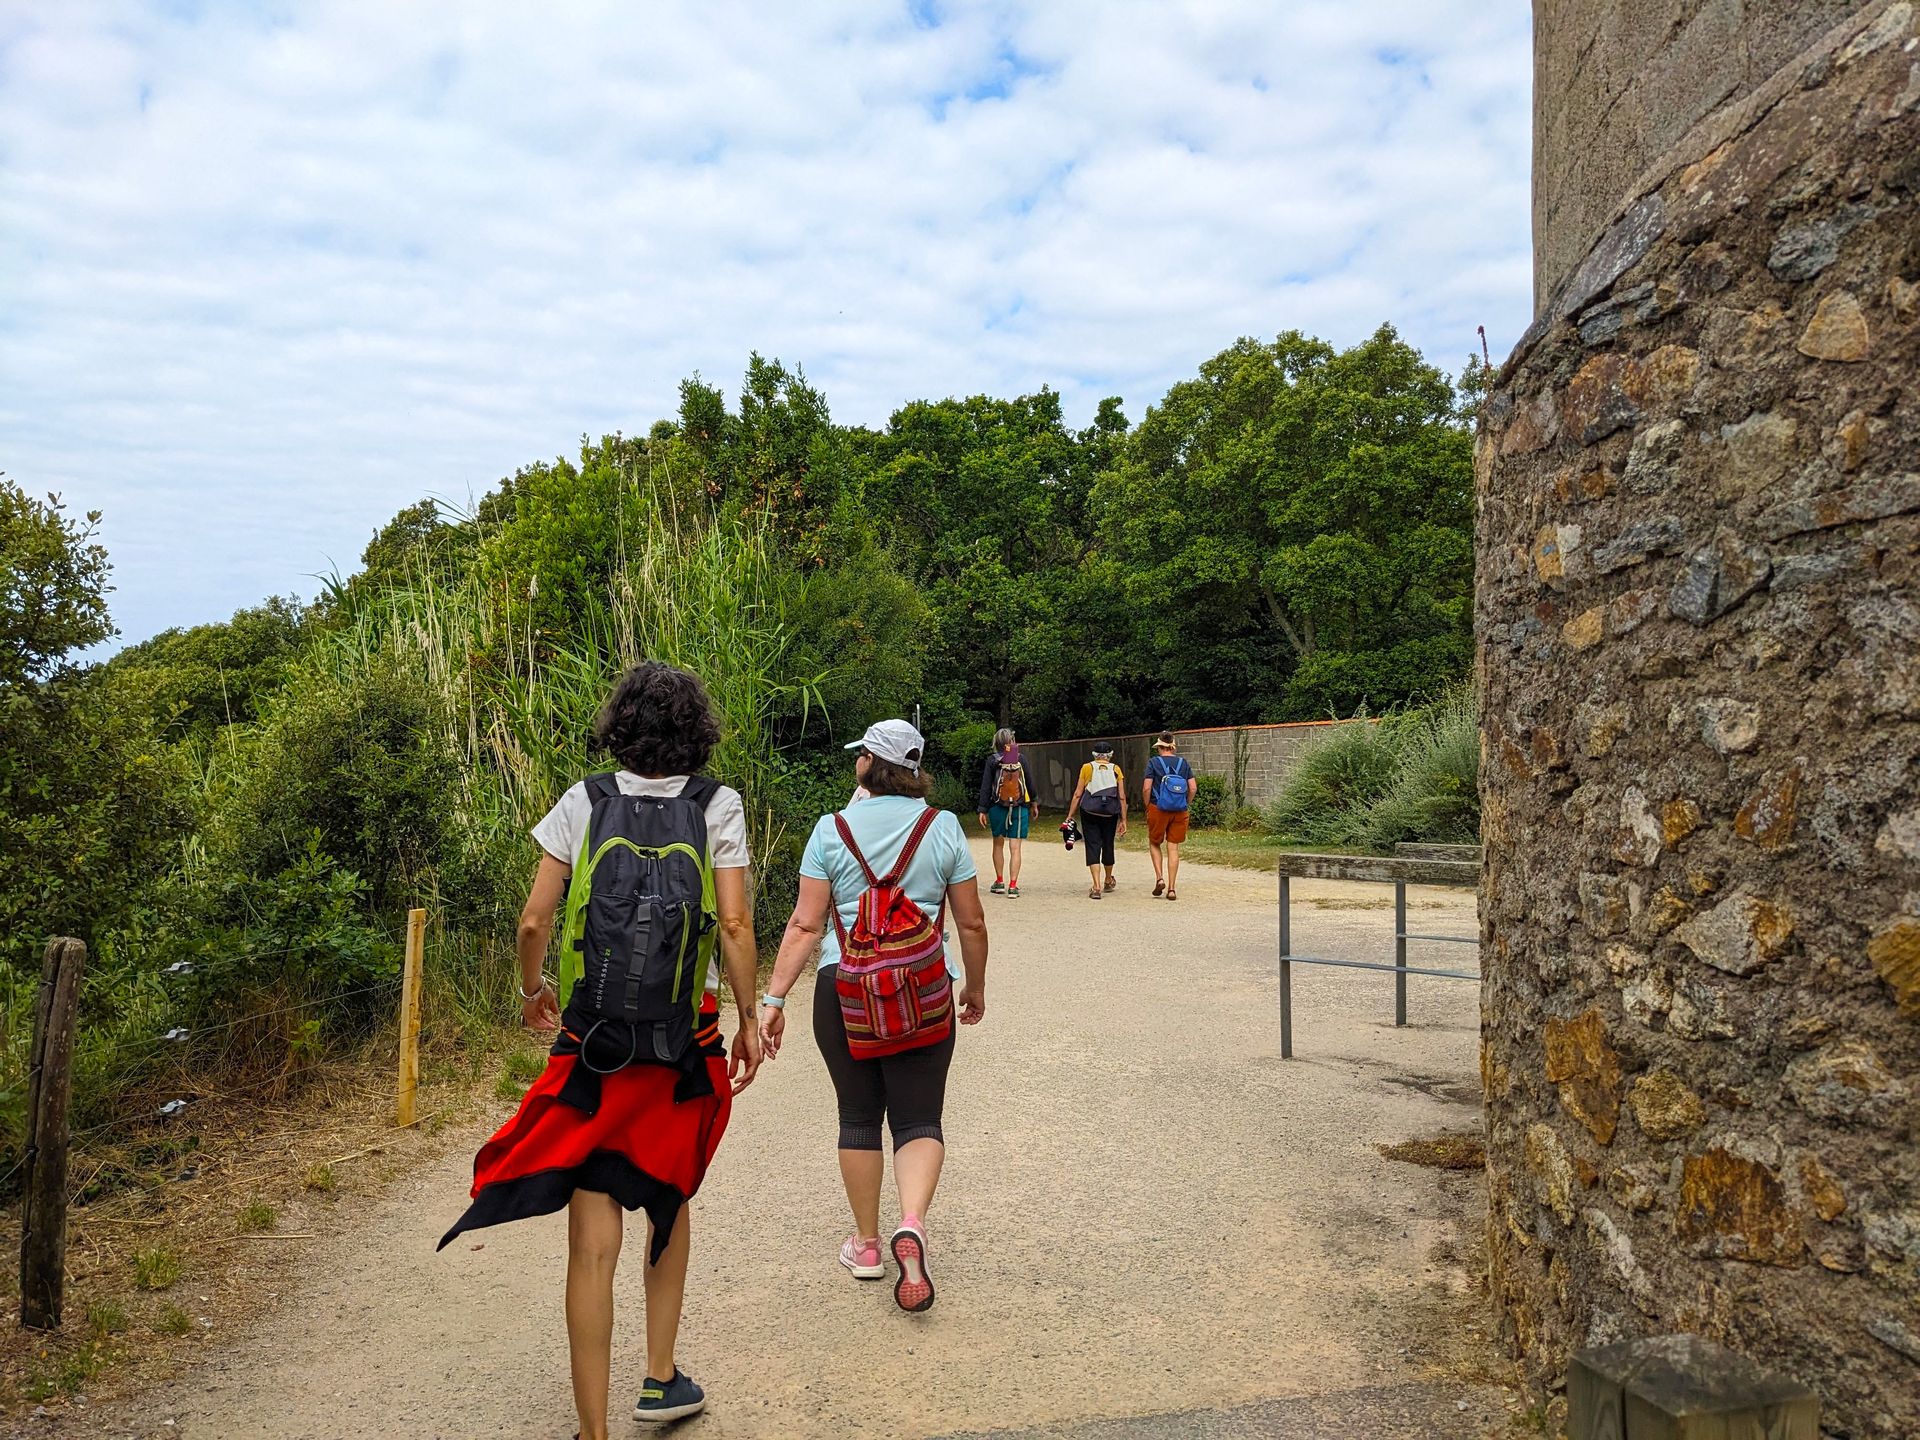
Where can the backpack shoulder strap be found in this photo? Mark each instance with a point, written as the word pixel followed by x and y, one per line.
pixel 853 848
pixel 700 789
pixel 927 816
pixel 601 787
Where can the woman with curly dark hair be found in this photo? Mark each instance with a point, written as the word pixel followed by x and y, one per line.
pixel 651 861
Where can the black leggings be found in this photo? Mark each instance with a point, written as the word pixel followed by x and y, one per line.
pixel 909 1089
pixel 1098 830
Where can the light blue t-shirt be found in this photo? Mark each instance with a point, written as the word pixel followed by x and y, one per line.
pixel 880 827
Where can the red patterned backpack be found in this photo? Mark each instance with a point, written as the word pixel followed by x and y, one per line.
pixel 895 993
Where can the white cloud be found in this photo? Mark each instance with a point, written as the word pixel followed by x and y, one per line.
pixel 269 273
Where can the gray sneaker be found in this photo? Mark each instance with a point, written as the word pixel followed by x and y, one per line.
pixel 664 1400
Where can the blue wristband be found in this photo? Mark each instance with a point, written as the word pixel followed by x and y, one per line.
pixel 778 1002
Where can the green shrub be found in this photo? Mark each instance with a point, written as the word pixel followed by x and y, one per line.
pixel 959 753
pixel 1341 772
pixel 1411 776
pixel 1247 819
pixel 1434 794
pixel 1209 801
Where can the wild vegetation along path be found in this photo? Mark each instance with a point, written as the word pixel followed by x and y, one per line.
pixel 1145 1211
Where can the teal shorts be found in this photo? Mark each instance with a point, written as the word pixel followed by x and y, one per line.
pixel 1009 824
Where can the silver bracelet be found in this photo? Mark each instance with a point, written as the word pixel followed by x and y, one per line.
pixel 546 983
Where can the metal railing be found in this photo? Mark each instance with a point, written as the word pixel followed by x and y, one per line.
pixel 1398 870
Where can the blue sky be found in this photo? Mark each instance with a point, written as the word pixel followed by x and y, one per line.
pixel 270 272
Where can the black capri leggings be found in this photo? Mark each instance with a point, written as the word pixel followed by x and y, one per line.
pixel 1098 830
pixel 908 1090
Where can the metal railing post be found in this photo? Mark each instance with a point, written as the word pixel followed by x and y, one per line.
pixel 1400 952
pixel 1286 972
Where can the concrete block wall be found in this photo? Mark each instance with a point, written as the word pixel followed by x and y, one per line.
pixel 1270 753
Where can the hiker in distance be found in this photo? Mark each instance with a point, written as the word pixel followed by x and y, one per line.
pixel 876 884
pixel 651 860
pixel 1101 800
pixel 1168 792
pixel 1007 809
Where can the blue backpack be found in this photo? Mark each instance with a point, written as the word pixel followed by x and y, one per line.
pixel 1170 775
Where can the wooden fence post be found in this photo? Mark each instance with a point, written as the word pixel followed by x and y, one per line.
pixel 410 1017
pixel 43 1215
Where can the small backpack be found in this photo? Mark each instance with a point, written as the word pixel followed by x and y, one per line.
pixel 1102 796
pixel 1011 788
pixel 895 993
pixel 641 922
pixel 1170 785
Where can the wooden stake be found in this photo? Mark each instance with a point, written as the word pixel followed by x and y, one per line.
pixel 410 1017
pixel 43 1216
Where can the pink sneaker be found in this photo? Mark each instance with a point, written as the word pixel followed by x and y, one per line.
pixel 862 1257
pixel 913 1291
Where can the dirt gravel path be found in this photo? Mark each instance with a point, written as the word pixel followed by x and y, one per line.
pixel 1145 1213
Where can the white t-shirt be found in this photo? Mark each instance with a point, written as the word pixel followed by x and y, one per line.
pixel 565 826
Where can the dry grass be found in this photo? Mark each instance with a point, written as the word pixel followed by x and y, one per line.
pixel 1449 1151
pixel 179 1228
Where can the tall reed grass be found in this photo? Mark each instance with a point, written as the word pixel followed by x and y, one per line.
pixel 1411 775
pixel 517 708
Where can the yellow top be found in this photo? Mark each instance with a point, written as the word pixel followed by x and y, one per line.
pixel 1119 775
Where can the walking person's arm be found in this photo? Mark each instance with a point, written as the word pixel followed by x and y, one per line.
pixel 1121 828
pixel 740 954
pixel 970 919
pixel 985 797
pixel 1078 791
pixel 805 927
pixel 539 1004
pixel 1193 786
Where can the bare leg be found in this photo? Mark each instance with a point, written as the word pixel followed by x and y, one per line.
pixel 1109 870
pixel 666 1289
pixel 860 1172
pixel 1173 866
pixel 999 857
pixel 1159 865
pixel 1013 869
pixel 916 1171
pixel 593 1249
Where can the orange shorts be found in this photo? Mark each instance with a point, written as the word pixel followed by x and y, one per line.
pixel 1166 826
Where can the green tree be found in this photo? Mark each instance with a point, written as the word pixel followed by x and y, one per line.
pixel 207 676
pixel 1298 523
pixel 90 801
pixel 53 585
pixel 983 503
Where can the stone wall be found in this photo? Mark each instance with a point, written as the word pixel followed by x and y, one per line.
pixel 1698 624
pixel 1616 85
pixel 1267 755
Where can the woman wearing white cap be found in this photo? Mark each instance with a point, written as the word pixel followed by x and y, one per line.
pixel 893 839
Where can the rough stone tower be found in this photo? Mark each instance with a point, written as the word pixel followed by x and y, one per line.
pixel 1699 650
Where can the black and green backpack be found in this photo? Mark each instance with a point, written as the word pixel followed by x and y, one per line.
pixel 641 925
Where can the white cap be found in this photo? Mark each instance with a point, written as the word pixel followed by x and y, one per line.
pixel 893 740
